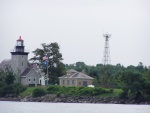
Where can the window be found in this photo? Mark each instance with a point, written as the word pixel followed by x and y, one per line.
pixel 72 82
pixel 63 82
pixel 34 79
pixel 29 79
pixel 22 63
pixel 67 82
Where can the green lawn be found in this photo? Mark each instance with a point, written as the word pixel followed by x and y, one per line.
pixel 28 91
pixel 115 93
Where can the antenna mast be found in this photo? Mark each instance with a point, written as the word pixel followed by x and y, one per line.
pixel 106 58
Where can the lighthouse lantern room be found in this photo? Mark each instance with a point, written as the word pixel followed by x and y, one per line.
pixel 19 48
pixel 20 42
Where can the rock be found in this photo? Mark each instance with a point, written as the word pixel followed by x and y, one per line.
pixel 72 99
pixel 24 99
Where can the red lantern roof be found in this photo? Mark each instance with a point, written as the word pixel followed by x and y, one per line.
pixel 19 39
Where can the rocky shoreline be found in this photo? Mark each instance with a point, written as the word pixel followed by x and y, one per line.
pixel 72 99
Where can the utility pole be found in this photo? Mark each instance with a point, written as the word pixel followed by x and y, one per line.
pixel 47 73
pixel 45 59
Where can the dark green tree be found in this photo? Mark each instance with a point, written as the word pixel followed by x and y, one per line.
pixel 140 67
pixel 2 75
pixel 55 66
pixel 132 84
pixel 8 85
pixel 10 76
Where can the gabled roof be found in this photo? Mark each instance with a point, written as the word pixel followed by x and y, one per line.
pixel 26 71
pixel 72 71
pixel 4 63
pixel 7 62
pixel 77 75
pixel 81 75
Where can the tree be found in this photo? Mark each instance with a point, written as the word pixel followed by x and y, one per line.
pixel 54 61
pixel 10 77
pixel 7 76
pixel 140 67
pixel 132 85
pixel 8 85
pixel 2 75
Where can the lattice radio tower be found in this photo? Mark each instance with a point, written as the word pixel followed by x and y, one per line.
pixel 106 58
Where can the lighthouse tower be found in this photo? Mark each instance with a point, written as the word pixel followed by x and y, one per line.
pixel 19 58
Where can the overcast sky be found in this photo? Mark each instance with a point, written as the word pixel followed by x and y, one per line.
pixel 78 27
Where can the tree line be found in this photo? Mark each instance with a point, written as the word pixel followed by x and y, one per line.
pixel 133 80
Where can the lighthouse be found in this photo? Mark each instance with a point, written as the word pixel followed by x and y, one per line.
pixel 19 58
pixel 25 73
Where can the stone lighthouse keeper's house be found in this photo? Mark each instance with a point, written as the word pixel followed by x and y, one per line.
pixel 74 78
pixel 29 74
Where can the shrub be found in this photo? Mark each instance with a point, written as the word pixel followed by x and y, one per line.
pixel 2 92
pixel 111 90
pixel 12 89
pixel 18 88
pixel 2 84
pixel 38 92
pixel 86 91
pixel 8 90
pixel 58 94
pixel 53 89
pixel 76 91
pixel 9 79
pixel 124 95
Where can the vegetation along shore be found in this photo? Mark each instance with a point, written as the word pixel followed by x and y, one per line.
pixel 58 94
pixel 112 83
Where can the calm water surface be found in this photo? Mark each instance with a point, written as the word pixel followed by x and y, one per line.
pixel 37 107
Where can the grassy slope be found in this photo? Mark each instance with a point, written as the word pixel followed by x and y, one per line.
pixel 115 93
pixel 28 91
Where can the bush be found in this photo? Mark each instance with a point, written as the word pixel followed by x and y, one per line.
pixel 86 91
pixel 2 85
pixel 12 89
pixel 38 92
pixel 18 88
pixel 111 90
pixel 58 94
pixel 124 95
pixel 10 78
pixel 53 89
pixel 76 91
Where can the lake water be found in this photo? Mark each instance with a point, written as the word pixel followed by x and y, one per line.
pixel 41 107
